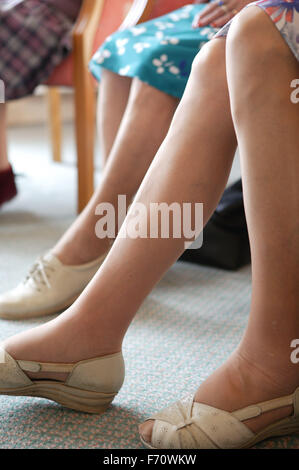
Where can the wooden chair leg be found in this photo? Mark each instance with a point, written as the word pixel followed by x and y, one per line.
pixel 55 121
pixel 85 134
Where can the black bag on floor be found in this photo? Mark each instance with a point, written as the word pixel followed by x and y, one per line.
pixel 225 237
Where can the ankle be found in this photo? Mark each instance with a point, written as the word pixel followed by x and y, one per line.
pixel 244 382
pixel 278 375
pixel 72 253
pixel 274 362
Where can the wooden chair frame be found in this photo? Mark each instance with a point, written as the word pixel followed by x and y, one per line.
pixel 83 41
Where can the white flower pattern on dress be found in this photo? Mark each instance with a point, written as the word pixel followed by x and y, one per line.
pixel 169 41
pixel 162 64
pixel 179 16
pixel 165 40
pixel 120 44
pixel 163 25
pixel 156 50
pixel 140 46
pixel 183 14
pixel 159 35
pixel 124 70
pixel 101 55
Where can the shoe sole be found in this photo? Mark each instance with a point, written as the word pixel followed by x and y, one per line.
pixel 41 313
pixel 70 397
pixel 285 427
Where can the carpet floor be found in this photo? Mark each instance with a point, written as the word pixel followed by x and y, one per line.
pixel 185 329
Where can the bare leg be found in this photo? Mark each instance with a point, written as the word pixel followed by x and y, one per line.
pixel 192 165
pixel 260 69
pixel 4 164
pixel 143 127
pixel 113 99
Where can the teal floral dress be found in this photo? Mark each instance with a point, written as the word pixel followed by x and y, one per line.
pixel 159 52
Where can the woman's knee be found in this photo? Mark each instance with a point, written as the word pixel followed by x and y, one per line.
pixel 144 97
pixel 254 51
pixel 209 63
pixel 253 41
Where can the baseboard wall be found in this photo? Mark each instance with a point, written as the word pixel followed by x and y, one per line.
pixel 34 109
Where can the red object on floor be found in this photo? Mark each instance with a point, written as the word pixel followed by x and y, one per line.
pixel 8 189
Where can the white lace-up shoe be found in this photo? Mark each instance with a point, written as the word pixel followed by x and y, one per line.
pixel 49 287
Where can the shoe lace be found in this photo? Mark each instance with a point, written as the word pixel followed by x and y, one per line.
pixel 39 274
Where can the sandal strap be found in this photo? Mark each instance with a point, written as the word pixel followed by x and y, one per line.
pixel 30 366
pixel 253 411
pixel 11 375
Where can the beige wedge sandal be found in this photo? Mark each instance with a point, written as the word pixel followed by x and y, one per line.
pixel 191 425
pixel 90 387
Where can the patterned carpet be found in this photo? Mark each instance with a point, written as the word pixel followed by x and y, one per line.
pixel 187 327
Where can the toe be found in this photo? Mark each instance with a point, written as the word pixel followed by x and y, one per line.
pixel 145 430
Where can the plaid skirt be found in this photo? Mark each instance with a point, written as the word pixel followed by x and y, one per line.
pixel 35 37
